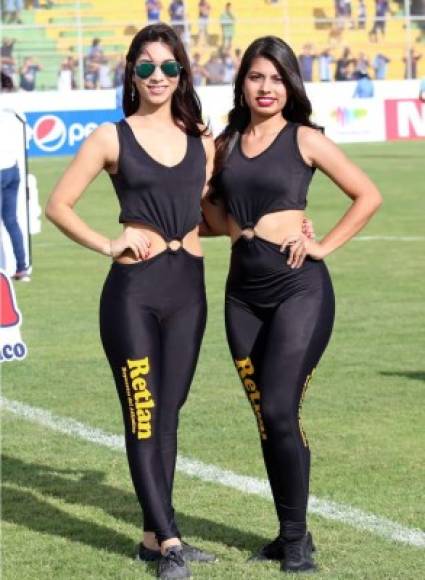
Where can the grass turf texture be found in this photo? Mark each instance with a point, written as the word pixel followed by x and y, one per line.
pixel 68 506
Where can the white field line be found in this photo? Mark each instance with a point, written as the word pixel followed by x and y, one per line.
pixel 210 473
pixel 389 239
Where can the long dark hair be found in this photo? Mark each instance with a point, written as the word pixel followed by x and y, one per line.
pixel 185 104
pixel 297 108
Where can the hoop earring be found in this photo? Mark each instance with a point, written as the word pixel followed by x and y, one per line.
pixel 133 92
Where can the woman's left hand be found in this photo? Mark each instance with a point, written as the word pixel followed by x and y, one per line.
pixel 297 245
pixel 300 246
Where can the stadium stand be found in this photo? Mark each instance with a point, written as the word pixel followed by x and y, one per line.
pixel 57 30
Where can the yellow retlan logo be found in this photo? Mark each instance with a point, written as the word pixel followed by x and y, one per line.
pixel 246 371
pixel 143 400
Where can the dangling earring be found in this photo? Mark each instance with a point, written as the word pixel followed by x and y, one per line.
pixel 133 92
pixel 242 101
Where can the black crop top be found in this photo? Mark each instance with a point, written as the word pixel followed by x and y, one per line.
pixel 276 179
pixel 165 198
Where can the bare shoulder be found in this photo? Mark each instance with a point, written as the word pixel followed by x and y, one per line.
pixel 105 133
pixel 310 136
pixel 313 144
pixel 105 139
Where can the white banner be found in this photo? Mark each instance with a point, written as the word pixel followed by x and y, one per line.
pixel 353 121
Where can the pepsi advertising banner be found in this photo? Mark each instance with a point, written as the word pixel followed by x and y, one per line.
pixel 63 132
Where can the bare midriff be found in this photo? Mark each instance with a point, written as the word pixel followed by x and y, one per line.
pixel 273 227
pixel 190 243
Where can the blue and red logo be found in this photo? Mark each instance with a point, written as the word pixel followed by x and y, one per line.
pixel 49 133
pixel 63 132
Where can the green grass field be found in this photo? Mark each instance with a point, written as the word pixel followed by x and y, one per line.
pixel 68 506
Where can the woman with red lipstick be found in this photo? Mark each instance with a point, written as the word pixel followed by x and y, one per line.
pixel 153 305
pixel 279 303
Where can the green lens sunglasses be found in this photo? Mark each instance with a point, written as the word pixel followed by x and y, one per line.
pixel 171 68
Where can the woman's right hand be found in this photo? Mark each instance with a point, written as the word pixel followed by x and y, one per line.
pixel 133 239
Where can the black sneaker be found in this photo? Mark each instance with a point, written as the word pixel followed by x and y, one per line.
pixel 297 556
pixel 190 554
pixel 274 550
pixel 271 551
pixel 172 565
pixel 145 554
pixel 193 554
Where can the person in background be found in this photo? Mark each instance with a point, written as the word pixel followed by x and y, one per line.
pixel 91 74
pixel 71 63
pixel 7 61
pixel 214 70
pixel 238 58
pixel 105 81
pixel 153 11
pixel 361 15
pixel 325 61
pixel 198 72
pixel 342 65
pixel 204 10
pixel 66 75
pixel 119 70
pixel 361 66
pixel 364 87
pixel 348 13
pixel 93 62
pixel 229 68
pixel 379 23
pixel 379 64
pixel 95 53
pixel 306 60
pixel 28 74
pixel 227 23
pixel 176 13
pixel 12 11
pixel 411 63
pixel 9 186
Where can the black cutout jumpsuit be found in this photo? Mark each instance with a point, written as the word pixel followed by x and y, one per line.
pixel 152 318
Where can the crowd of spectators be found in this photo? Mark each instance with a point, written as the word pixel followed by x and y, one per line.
pixel 103 71
pixel 348 67
pixel 11 9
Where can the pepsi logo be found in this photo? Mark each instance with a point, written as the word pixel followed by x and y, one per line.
pixel 49 133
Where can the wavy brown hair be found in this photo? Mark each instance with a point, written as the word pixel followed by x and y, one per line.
pixel 297 108
pixel 185 104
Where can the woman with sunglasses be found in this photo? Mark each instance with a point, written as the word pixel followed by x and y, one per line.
pixel 279 307
pixel 153 306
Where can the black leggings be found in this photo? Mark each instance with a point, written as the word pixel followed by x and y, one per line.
pixel 278 323
pixel 152 319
